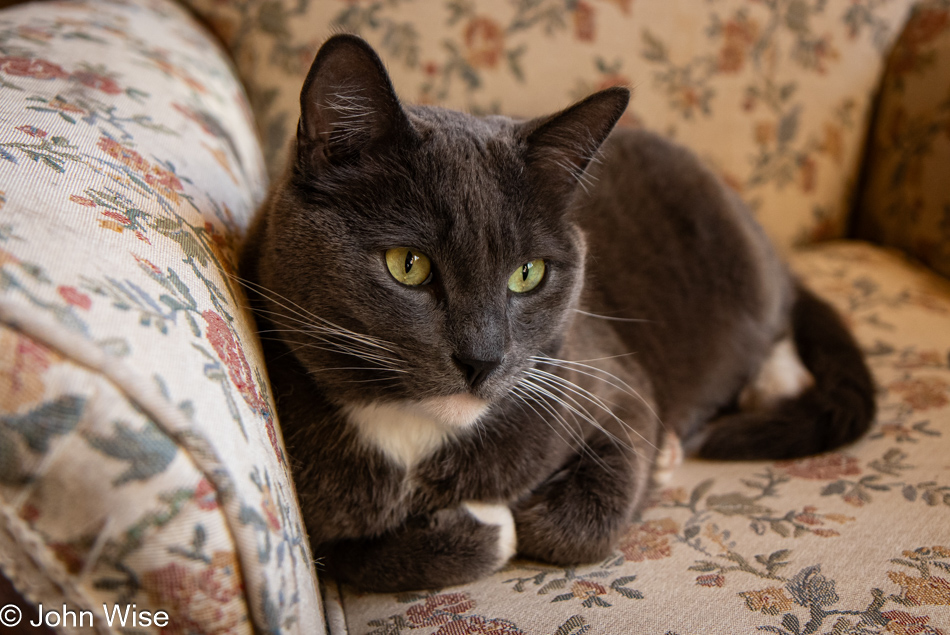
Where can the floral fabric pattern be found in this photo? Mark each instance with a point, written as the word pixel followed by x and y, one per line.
pixel 906 202
pixel 850 542
pixel 129 168
pixel 773 94
pixel 59 421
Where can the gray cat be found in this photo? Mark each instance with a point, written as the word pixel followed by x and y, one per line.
pixel 480 331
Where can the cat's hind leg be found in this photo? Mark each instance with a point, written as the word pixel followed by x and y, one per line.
pixel 451 546
pixel 833 408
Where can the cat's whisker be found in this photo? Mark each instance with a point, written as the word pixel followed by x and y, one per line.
pixel 522 397
pixel 364 381
pixel 584 413
pixel 323 370
pixel 527 392
pixel 562 384
pixel 582 444
pixel 594 399
pixel 601 359
pixel 614 439
pixel 577 413
pixel 347 346
pixel 620 385
pixel 354 338
pixel 301 312
pixel 612 319
pixel 334 347
pixel 571 365
pixel 330 337
pixel 320 370
pixel 327 326
pixel 347 381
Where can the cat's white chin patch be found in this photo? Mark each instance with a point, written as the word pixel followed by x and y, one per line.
pixel 500 516
pixel 408 431
pixel 457 411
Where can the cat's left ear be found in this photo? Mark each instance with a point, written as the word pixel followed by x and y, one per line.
pixel 561 146
pixel 347 105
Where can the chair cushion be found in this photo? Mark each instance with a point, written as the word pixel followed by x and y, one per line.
pixel 140 459
pixel 852 541
pixel 906 197
pixel 774 95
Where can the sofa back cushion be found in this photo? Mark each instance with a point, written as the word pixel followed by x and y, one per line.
pixel 906 197
pixel 774 95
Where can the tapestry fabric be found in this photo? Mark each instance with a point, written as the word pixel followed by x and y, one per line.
pixel 101 504
pixel 140 458
pixel 774 95
pixel 906 199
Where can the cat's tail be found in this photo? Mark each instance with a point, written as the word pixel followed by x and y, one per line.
pixel 837 409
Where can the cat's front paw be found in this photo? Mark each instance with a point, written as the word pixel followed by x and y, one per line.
pixel 498 516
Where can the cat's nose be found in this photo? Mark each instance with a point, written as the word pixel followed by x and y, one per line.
pixel 476 371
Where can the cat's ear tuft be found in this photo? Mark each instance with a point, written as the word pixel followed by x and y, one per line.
pixel 561 146
pixel 347 105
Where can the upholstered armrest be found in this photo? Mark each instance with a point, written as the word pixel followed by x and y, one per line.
pixel 906 199
pixel 140 459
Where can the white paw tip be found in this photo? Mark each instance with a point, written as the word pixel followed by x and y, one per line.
pixel 668 459
pixel 499 516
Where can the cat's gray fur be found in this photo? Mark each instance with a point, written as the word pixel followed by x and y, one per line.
pixel 645 233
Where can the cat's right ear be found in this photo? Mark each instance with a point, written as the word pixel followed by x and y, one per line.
pixel 561 146
pixel 347 106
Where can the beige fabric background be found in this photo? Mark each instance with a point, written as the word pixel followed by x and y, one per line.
pixel 774 95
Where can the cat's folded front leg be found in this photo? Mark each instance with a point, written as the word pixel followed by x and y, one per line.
pixel 578 514
pixel 451 546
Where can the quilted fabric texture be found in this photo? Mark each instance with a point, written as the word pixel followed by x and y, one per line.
pixel 850 542
pixel 773 94
pixel 140 460
pixel 906 202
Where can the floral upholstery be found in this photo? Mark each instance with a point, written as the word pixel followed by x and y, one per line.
pixel 906 202
pixel 856 541
pixel 69 434
pixel 140 459
pixel 774 94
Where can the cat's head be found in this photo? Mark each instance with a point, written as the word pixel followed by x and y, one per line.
pixel 417 254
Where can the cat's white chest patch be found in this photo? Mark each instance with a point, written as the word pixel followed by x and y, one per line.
pixel 408 431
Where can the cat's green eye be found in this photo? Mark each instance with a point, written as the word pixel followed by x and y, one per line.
pixel 527 276
pixel 407 266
